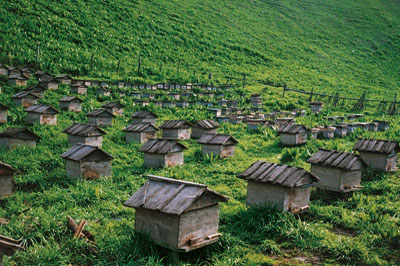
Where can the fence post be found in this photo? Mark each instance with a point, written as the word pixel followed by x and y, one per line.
pixel 311 94
pixel 91 62
pixel 139 64
pixel 119 62
pixel 336 99
pixel 244 80
pixel 392 108
pixel 284 91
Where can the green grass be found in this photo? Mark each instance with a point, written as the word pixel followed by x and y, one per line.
pixel 45 196
pixel 345 46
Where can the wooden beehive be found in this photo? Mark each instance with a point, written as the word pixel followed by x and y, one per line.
pixel 140 132
pixel 340 130
pixel 6 180
pixel 16 137
pixel 17 80
pixel 43 114
pixel 64 79
pixel 51 84
pixel 293 134
pixel 71 103
pixel 114 107
pixel 36 89
pixel 378 154
pixel 202 127
pixel 179 215
pixel 100 117
pixel 144 116
pixel 217 145
pixel 176 129
pixel 287 188
pixel 25 99
pixel 162 153
pixel 316 107
pixel 338 171
pixel 79 89
pixel 84 134
pixel 3 113
pixel 87 162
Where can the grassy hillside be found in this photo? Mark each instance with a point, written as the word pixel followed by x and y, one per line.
pixel 329 45
pixel 362 230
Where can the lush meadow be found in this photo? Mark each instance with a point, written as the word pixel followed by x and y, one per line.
pixel 361 230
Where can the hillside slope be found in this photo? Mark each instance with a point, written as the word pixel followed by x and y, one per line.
pixel 337 45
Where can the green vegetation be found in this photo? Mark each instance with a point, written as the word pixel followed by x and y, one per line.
pixel 346 46
pixel 331 46
pixel 361 230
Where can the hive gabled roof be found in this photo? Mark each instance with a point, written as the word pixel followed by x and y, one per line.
pixel 9 243
pixel 162 146
pixel 41 109
pixel 217 139
pixel 35 87
pixel 140 127
pixel 113 105
pixel 80 151
pixel 23 94
pixel 173 196
pixel 70 99
pixel 84 130
pixel 7 167
pixel 13 132
pixel 4 107
pixel 78 85
pixel 206 124
pixel 377 145
pixel 277 174
pixel 175 124
pixel 292 129
pixel 63 76
pixel 337 159
pixel 144 114
pixel 98 112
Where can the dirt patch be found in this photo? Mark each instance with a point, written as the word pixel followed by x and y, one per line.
pixel 340 230
pixel 296 257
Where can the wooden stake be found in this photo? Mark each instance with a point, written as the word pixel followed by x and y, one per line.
pixel 311 94
pixel 78 231
pixel 91 62
pixel 139 64
pixel 119 62
pixel 37 55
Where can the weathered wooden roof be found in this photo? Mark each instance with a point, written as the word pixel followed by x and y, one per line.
pixel 78 85
pixel 41 109
pixel 18 76
pixel 19 133
pixel 175 124
pixel 4 107
pixel 140 127
pixel 377 145
pixel 70 99
pixel 80 151
pixel 35 88
pixel 9 243
pixel 7 167
pixel 84 130
pixel 316 103
pixel 206 124
pixel 162 146
pixel 99 112
pixel 337 159
pixel 277 174
pixel 217 139
pixel 292 129
pixel 173 196
pixel 63 76
pixel 23 94
pixel 113 105
pixel 144 114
